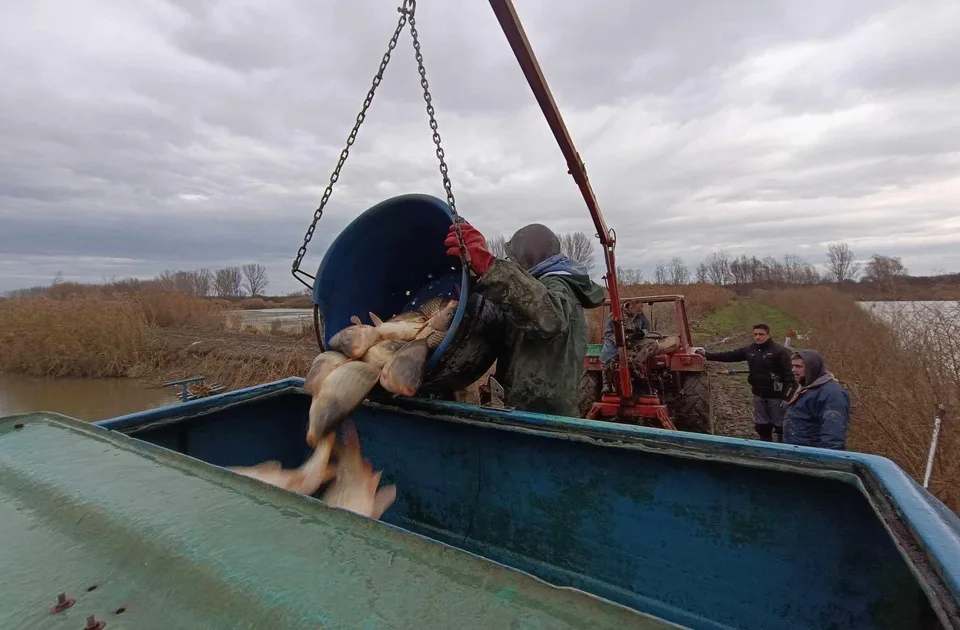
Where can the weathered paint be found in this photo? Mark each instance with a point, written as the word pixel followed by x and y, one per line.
pixel 141 537
pixel 705 531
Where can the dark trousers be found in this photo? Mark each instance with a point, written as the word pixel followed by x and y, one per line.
pixel 768 418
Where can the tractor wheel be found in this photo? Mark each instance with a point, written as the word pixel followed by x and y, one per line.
pixel 591 386
pixel 692 409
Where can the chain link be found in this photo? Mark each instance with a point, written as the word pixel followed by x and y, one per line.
pixel 428 99
pixel 406 10
pixel 346 151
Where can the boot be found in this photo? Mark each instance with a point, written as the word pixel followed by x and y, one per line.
pixel 778 434
pixel 765 431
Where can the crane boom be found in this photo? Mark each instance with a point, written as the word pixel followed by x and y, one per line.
pixel 510 24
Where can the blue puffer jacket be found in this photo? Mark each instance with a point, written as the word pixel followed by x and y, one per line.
pixel 819 412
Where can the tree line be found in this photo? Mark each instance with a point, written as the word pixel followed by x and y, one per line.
pixel 229 282
pixel 719 268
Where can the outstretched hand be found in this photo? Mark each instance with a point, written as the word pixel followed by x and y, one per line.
pixel 476 245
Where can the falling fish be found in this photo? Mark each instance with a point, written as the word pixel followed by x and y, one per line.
pixel 354 340
pixel 306 479
pixel 323 365
pixel 382 351
pixel 403 330
pixel 354 486
pixel 437 326
pixel 403 374
pixel 340 393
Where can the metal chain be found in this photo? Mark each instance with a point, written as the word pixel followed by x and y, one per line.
pixel 411 7
pixel 406 10
pixel 346 151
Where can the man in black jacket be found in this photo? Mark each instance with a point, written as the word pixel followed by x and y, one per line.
pixel 771 379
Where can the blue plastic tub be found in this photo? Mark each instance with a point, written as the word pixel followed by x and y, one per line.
pixel 391 258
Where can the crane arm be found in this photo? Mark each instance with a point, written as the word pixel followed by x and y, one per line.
pixel 510 24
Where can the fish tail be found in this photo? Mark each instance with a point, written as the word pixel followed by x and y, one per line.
pixel 376 320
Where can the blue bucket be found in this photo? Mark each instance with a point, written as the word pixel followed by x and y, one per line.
pixel 390 259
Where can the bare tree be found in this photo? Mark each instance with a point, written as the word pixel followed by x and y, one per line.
pixel 841 264
pixel 679 273
pixel 661 275
pixel 58 278
pixel 498 246
pixel 703 273
pixel 718 268
pixel 579 247
pixel 628 276
pixel 228 282
pixel 255 279
pixel 884 269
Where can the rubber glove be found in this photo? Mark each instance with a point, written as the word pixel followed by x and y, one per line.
pixel 480 256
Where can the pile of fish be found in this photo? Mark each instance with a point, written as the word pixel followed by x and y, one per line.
pixel 393 353
pixel 354 485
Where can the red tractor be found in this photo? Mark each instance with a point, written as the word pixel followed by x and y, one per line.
pixel 668 386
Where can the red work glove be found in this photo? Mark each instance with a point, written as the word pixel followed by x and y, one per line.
pixel 480 256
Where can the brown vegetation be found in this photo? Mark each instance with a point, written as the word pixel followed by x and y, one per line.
pixel 79 336
pixel 896 375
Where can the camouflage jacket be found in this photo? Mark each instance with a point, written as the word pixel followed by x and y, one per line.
pixel 545 335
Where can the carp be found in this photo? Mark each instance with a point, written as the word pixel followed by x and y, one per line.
pixel 434 305
pixel 306 479
pixel 340 393
pixel 323 365
pixel 354 340
pixel 403 374
pixel 410 316
pixel 436 328
pixel 354 486
pixel 381 352
pixel 403 330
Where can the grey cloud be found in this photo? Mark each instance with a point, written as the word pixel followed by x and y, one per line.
pixel 198 132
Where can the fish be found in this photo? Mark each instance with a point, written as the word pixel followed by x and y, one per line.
pixel 402 330
pixel 340 393
pixel 306 479
pixel 437 326
pixel 381 352
pixel 323 365
pixel 434 305
pixel 354 340
pixel 354 486
pixel 410 316
pixel 403 374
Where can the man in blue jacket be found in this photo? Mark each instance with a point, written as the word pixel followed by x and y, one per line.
pixel 635 326
pixel 819 411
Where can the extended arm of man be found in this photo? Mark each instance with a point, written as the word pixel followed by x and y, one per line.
pixel 542 308
pixel 728 356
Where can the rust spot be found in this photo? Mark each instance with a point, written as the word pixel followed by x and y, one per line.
pixel 92 588
pixel 18 425
pixel 120 611
pixel 93 624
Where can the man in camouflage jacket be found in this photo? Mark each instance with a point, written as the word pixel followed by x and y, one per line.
pixel 542 295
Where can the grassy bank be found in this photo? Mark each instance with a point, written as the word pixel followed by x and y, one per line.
pixel 896 375
pixel 154 335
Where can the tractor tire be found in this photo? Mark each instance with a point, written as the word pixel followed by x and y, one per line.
pixel 692 409
pixel 591 387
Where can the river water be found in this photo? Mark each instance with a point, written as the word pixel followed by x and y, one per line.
pixel 83 398
pixel 97 399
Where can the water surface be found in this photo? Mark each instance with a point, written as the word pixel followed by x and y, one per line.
pixel 83 398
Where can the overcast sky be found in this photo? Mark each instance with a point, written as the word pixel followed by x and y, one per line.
pixel 142 136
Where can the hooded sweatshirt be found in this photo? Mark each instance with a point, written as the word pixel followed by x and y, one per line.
pixel 542 295
pixel 818 413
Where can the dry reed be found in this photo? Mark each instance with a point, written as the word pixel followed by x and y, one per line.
pixel 897 367
pixel 79 336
